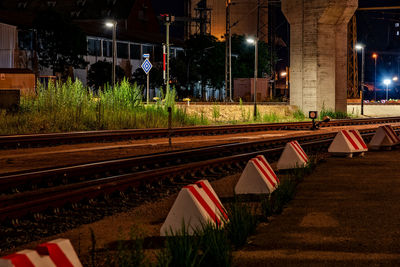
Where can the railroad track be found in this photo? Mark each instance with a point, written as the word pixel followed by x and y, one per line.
pixel 160 170
pixel 33 140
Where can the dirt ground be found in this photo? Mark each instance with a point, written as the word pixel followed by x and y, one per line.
pixel 345 214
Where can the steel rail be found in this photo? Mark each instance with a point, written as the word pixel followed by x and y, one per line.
pixel 76 172
pixel 11 141
pixel 18 205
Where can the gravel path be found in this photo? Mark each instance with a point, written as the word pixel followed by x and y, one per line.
pixel 345 214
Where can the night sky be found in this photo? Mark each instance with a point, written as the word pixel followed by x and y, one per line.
pixel 375 30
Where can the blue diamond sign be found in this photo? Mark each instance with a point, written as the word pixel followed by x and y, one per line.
pixel 146 66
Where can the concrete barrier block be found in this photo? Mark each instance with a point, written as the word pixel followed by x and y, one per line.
pixel 257 178
pixel 293 156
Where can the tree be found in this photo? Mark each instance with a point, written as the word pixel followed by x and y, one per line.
pixel 100 74
pixel 203 60
pixel 156 79
pixel 61 44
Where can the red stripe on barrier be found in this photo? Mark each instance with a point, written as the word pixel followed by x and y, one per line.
pixel 394 133
pixel 350 139
pixel 203 203
pixel 19 260
pixel 389 134
pixel 55 254
pixel 255 161
pixel 262 159
pixel 213 198
pixel 299 151
pixel 359 139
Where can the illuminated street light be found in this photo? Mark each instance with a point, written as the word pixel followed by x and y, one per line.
pixel 250 40
pixel 375 56
pixel 283 74
pixel 395 78
pixel 255 41
pixel 387 82
pixel 113 24
pixel 109 24
pixel 361 47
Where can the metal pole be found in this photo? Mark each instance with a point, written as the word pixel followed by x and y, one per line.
pixel 255 76
pixel 148 87
pixel 375 82
pixel 169 126
pixel 114 60
pixel 362 80
pixel 230 60
pixel 387 91
pixel 168 50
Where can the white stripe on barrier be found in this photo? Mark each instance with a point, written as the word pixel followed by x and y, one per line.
pixel 257 178
pixel 347 142
pixel 196 205
pixel 293 156
pixel 26 258
pixel 384 136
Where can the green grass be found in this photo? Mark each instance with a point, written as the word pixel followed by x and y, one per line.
pixel 335 114
pixel 70 106
pixel 208 246
pixel 285 192
pixel 242 223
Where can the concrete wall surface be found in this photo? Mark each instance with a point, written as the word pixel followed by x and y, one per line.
pixel 375 110
pixel 318 52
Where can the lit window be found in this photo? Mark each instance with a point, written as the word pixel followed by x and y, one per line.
pixel 398 33
pixel 397 24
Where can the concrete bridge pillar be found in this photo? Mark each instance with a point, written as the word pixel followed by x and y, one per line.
pixel 318 52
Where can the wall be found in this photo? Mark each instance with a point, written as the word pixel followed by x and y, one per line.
pixel 8 41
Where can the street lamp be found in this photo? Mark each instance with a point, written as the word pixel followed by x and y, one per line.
pixel 255 42
pixel 387 82
pixel 362 48
pixel 395 79
pixel 375 56
pixel 113 24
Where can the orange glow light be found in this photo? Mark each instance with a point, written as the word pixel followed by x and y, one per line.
pixel 374 55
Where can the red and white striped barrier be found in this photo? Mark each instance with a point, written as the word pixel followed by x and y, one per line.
pixel 56 253
pixel 347 142
pixel 385 137
pixel 293 156
pixel 61 252
pixel 257 178
pixel 26 258
pixel 196 205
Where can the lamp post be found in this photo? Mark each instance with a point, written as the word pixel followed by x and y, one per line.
pixel 362 48
pixel 113 24
pixel 375 56
pixel 387 82
pixel 255 42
